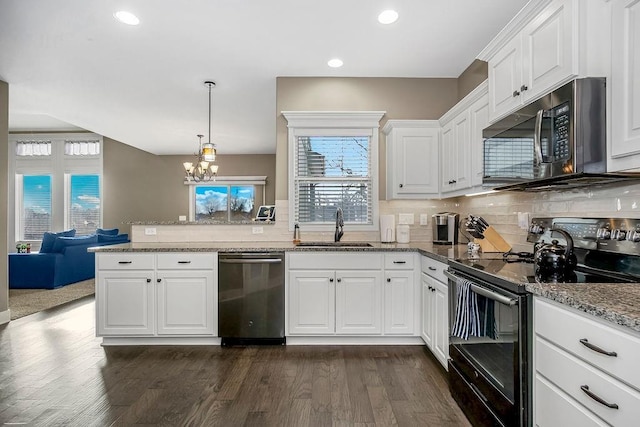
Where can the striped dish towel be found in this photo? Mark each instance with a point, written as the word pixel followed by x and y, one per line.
pixel 467 321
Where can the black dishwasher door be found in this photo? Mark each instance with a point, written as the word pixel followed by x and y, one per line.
pixel 251 298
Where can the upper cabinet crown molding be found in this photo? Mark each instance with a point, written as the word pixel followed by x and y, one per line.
pixel 526 14
pixel 466 102
pixel 409 124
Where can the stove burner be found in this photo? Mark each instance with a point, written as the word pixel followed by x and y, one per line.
pixel 518 257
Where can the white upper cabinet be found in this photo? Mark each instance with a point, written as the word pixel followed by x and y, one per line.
pixel 412 158
pixel 625 86
pixel 461 143
pixel 540 57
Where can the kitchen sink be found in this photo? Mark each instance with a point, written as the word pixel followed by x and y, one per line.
pixel 335 244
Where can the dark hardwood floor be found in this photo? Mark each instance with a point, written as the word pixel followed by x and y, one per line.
pixel 53 372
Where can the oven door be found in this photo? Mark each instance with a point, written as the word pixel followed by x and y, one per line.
pixel 488 348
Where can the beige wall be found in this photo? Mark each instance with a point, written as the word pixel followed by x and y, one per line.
pixel 139 186
pixel 401 98
pixel 4 196
pixel 470 78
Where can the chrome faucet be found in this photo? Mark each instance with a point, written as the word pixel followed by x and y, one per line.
pixel 339 225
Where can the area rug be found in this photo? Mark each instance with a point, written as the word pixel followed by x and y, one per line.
pixel 23 302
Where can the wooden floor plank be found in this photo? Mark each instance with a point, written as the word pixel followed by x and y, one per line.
pixel 53 371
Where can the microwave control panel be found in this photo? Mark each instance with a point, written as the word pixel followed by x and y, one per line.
pixel 561 120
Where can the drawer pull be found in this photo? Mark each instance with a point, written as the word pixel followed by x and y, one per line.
pixel 597 398
pixel 184 262
pixel 125 262
pixel 432 268
pixel 388 279
pixel 595 348
pixel 148 280
pixel 399 262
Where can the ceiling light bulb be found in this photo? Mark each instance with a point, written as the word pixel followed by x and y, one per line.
pixel 335 63
pixel 388 17
pixel 126 17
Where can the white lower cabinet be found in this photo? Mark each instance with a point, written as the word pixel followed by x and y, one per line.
pixel 351 294
pixel 591 368
pixel 153 295
pixel 435 309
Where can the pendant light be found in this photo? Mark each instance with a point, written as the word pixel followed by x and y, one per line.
pixel 202 170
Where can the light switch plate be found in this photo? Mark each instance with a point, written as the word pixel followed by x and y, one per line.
pixel 257 230
pixel 523 220
pixel 424 219
pixel 405 219
pixel 150 231
pixel 182 217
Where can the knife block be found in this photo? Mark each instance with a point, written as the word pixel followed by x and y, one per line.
pixel 493 241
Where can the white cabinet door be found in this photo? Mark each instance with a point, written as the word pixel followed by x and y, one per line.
pixel 505 79
pixel 186 303
pixel 625 86
pixel 462 154
pixel 548 52
pixel 427 310
pixel 358 302
pixel 447 156
pixel 312 302
pixel 440 307
pixel 412 158
pixel 479 114
pixel 399 300
pixel 125 303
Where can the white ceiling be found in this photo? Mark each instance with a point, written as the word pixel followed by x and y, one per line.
pixel 70 64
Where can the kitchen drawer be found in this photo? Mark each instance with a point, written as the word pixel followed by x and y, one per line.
pixel 434 268
pixel 126 261
pixel 186 261
pixel 335 261
pixel 399 261
pixel 571 374
pixel 555 408
pixel 577 326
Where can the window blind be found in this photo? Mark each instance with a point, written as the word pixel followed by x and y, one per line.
pixel 333 172
pixel 36 206
pixel 84 212
pixel 33 148
pixel 81 148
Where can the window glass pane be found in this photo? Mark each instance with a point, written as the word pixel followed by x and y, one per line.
pixel 211 203
pixel 333 172
pixel 36 203
pixel 243 200
pixel 85 203
pixel 333 156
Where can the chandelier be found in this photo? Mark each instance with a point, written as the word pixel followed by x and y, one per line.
pixel 202 169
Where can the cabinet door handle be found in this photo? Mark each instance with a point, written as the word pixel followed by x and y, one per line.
pixel 184 262
pixel 148 280
pixel 339 280
pixel 399 262
pixel 432 268
pixel 125 262
pixel 158 280
pixel 597 349
pixel 597 398
pixel 515 93
pixel 388 279
pixel 401 185
pixel 331 280
pixel 523 88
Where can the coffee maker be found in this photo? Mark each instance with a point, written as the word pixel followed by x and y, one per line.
pixel 445 228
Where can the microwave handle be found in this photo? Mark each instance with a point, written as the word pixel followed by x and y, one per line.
pixel 537 139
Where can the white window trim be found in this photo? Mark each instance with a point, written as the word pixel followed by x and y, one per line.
pixel 334 123
pixel 58 165
pixel 222 180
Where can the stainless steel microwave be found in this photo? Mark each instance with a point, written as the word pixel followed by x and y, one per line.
pixel 559 136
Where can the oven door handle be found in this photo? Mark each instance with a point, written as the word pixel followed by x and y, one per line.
pixel 485 292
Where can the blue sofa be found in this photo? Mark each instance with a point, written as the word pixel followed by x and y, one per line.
pixel 65 260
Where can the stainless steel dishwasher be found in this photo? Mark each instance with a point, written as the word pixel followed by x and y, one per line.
pixel 251 298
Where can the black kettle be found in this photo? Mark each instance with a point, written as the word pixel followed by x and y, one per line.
pixel 555 262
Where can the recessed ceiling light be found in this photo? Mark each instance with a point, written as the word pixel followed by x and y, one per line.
pixel 126 17
pixel 388 17
pixel 335 63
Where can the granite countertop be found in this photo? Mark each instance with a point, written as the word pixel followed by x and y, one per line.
pixel 618 303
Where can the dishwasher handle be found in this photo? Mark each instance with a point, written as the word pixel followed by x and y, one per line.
pixel 250 261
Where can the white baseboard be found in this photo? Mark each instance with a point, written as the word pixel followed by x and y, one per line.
pixel 350 340
pixel 109 341
pixel 5 316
